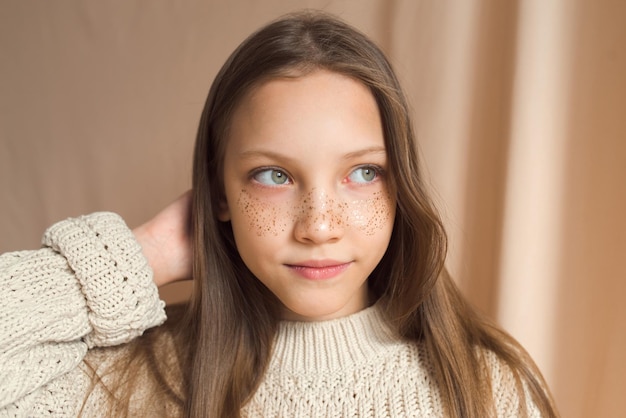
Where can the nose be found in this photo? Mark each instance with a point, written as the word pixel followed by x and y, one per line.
pixel 319 218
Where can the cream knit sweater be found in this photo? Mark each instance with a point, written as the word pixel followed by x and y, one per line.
pixel 91 286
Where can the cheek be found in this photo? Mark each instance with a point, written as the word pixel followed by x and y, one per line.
pixel 371 215
pixel 265 218
pixel 262 217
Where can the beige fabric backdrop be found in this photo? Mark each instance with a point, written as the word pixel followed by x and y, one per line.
pixel 520 109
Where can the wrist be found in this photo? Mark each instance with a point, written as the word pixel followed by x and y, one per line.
pixel 146 240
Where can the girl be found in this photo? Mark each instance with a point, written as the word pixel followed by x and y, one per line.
pixel 317 258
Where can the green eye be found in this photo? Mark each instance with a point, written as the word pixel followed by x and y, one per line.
pixel 272 177
pixel 365 174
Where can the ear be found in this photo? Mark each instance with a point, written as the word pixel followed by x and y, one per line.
pixel 223 212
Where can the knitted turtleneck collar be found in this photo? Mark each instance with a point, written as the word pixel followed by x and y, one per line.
pixel 313 347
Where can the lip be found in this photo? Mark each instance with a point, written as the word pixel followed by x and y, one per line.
pixel 319 269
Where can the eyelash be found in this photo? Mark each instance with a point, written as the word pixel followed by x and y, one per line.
pixel 255 173
pixel 379 172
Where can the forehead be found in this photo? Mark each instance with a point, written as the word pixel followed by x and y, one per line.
pixel 318 106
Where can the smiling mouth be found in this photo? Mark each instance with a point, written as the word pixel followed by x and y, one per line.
pixel 319 270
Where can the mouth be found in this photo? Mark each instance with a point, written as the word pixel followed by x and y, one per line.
pixel 319 269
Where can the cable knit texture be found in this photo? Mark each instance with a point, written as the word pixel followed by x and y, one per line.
pixel 356 367
pixel 351 367
pixel 88 286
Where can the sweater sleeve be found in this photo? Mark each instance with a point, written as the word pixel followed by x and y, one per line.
pixel 88 286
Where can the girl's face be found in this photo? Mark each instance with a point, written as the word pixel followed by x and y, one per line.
pixel 306 191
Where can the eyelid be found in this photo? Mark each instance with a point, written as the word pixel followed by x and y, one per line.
pixel 379 169
pixel 380 172
pixel 255 172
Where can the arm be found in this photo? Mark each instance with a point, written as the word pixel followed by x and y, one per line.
pixel 165 241
pixel 89 286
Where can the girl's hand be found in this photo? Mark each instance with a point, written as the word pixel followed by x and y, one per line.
pixel 166 241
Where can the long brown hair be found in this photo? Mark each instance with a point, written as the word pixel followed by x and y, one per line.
pixel 231 309
pixel 231 319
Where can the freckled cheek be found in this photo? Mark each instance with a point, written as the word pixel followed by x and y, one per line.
pixel 264 218
pixel 371 215
pixel 267 218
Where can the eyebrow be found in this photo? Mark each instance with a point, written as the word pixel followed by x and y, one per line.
pixel 365 151
pixel 276 155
